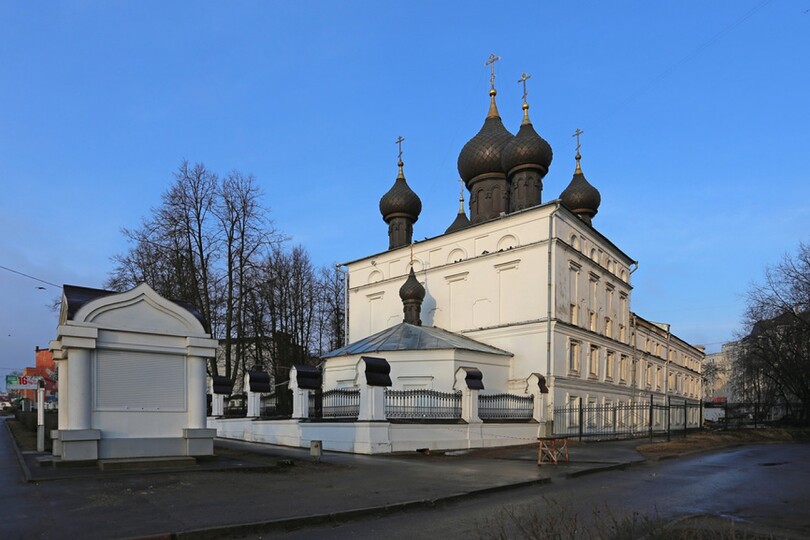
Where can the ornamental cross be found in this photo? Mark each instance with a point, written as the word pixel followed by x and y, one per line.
pixel 576 134
pixel 461 190
pixel 399 143
pixel 491 64
pixel 523 79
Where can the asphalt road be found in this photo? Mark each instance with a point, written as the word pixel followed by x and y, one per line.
pixel 759 489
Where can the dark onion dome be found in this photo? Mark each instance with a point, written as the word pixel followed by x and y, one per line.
pixel 412 293
pixel 580 196
pixel 400 201
pixel 412 289
pixel 461 221
pixel 482 153
pixel 526 148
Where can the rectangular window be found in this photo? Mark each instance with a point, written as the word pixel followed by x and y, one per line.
pixel 608 416
pixel 608 327
pixel 649 378
pixel 573 293
pixel 611 358
pixel 658 378
pixel 591 413
pixel 593 362
pixel 573 357
pixel 623 368
pixel 622 334
pixel 592 321
pixel 573 411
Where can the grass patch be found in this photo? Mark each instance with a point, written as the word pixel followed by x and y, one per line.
pixel 707 440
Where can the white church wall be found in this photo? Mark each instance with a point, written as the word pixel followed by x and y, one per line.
pixel 472 277
pixel 429 369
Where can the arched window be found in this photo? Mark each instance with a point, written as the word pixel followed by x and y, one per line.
pixel 456 255
pixel 507 242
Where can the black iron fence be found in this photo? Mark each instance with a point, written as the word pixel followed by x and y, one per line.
pixel 505 407
pixel 278 405
pixel 422 405
pixel 343 403
pixel 626 420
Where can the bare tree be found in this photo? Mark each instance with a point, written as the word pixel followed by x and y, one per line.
pixel 331 309
pixel 774 358
pixel 246 234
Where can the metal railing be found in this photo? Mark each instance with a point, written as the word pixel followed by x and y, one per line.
pixel 422 405
pixel 335 403
pixel 627 420
pixel 505 407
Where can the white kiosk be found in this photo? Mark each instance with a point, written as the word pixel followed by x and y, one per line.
pixel 131 376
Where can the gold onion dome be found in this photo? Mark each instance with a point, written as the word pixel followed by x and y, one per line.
pixel 526 148
pixel 400 200
pixel 482 153
pixel 580 196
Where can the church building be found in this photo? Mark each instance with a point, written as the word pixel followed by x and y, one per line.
pixel 524 286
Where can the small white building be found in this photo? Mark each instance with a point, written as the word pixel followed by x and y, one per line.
pixel 132 376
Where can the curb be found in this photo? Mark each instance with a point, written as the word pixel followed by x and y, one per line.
pixel 287 524
pixel 20 459
pixel 606 468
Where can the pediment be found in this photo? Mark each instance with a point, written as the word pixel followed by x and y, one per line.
pixel 140 310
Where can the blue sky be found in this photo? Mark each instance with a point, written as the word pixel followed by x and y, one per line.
pixel 695 113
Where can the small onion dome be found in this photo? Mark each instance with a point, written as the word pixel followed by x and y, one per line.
pixel 461 221
pixel 412 290
pixel 526 148
pixel 412 294
pixel 400 201
pixel 482 153
pixel 580 196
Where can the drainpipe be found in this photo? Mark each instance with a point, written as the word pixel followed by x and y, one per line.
pixel 633 382
pixel 550 303
pixel 666 369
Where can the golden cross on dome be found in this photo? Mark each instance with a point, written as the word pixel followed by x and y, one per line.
pixel 399 143
pixel 576 134
pixel 523 79
pixel 491 64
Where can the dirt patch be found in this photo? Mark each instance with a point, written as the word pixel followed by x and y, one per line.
pixel 708 440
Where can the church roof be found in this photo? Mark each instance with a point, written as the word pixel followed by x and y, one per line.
pixel 409 337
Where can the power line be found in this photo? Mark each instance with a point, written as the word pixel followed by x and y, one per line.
pixel 29 276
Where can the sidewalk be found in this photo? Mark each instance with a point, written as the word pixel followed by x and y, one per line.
pixel 256 487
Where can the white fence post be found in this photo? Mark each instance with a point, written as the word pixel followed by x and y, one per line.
pixel 470 382
pixel 373 376
pixel 300 396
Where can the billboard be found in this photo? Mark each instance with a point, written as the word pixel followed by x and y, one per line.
pixel 22 382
